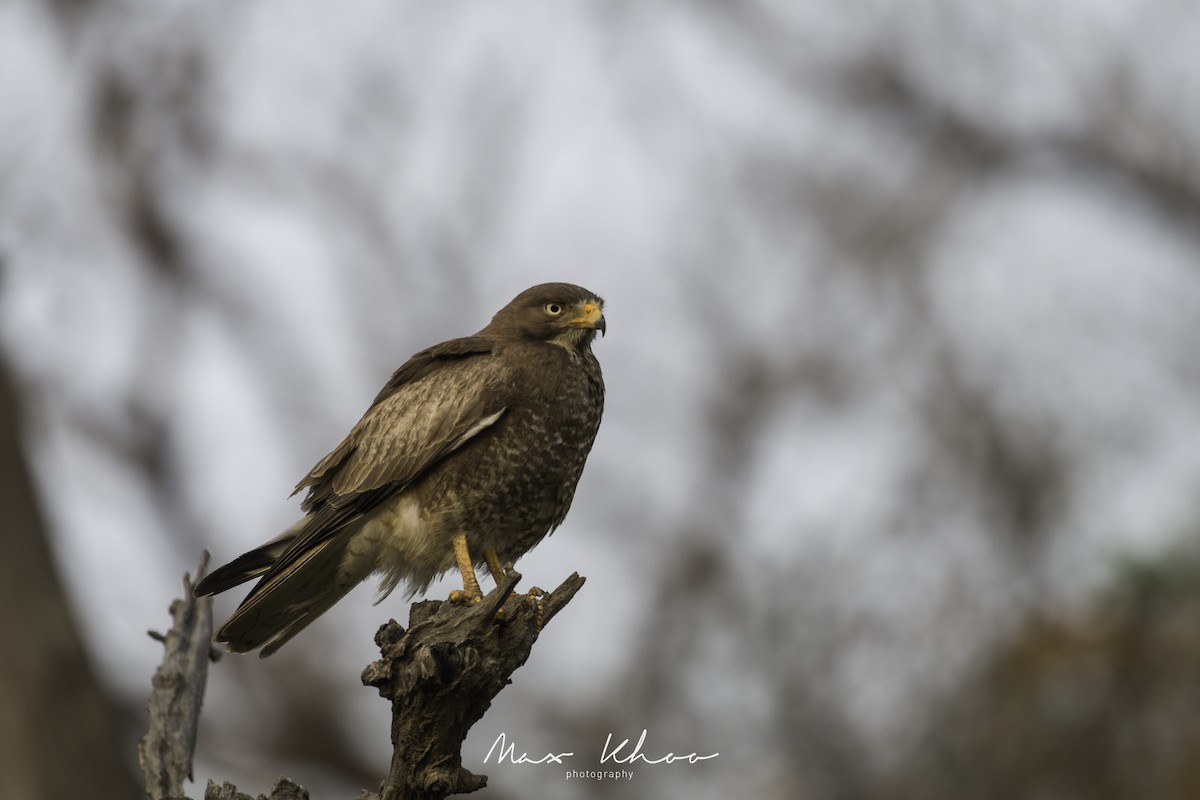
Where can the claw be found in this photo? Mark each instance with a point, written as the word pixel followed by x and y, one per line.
pixel 462 597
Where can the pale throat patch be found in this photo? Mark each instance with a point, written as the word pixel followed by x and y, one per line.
pixel 570 340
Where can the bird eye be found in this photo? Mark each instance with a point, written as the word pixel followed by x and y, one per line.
pixel 553 309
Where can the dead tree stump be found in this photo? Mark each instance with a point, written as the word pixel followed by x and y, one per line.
pixel 441 675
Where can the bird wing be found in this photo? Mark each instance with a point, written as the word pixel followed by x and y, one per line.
pixel 434 404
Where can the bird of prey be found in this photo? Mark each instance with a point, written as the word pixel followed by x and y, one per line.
pixel 468 456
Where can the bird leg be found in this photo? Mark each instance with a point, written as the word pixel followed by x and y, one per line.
pixel 471 593
pixel 495 565
pixel 499 569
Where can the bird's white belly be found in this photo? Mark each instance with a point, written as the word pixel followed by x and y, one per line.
pixel 389 541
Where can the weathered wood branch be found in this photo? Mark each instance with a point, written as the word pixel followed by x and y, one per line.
pixel 165 752
pixel 284 789
pixel 440 676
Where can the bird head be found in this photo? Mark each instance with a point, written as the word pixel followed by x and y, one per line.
pixel 559 313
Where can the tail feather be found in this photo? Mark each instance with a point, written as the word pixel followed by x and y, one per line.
pixel 243 568
pixel 284 603
pixel 310 614
pixel 256 563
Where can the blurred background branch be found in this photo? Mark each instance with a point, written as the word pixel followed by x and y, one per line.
pixel 53 709
pixel 166 752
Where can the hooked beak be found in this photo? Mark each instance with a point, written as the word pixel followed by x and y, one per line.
pixel 592 317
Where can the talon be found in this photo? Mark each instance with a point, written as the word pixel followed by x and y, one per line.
pixel 462 597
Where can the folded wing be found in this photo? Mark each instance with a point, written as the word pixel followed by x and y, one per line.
pixel 438 402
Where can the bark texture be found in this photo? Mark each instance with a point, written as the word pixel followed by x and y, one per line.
pixel 284 789
pixel 165 752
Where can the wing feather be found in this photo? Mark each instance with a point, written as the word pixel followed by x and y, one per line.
pixel 433 405
pixel 412 428
pixel 427 400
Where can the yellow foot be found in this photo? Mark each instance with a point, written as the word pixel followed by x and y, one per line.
pixel 535 596
pixel 461 597
pixel 471 593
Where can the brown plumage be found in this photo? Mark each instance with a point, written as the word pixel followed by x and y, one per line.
pixel 484 436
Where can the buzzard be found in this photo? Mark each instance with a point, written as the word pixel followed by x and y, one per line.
pixel 468 456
